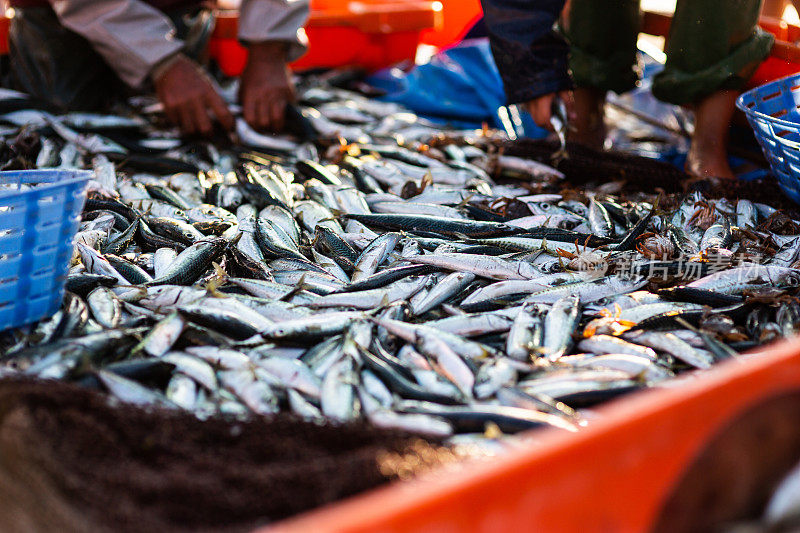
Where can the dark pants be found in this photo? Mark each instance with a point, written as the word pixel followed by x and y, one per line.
pixel 713 45
pixel 52 63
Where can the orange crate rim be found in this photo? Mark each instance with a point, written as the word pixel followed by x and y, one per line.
pixel 368 18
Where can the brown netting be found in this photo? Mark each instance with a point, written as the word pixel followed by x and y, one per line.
pixel 585 166
pixel 70 460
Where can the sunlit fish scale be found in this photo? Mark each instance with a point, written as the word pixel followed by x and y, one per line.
pixel 294 374
pixel 642 312
pixel 311 214
pixel 194 367
pixel 588 291
pixel 250 137
pixel 97 264
pixel 105 307
pixel 736 280
pixel 634 365
pixel 476 324
pixel 480 265
pixel 526 333
pixel 313 326
pixel 373 255
pixel 163 336
pixel 673 345
pixel 448 362
pixel 416 208
pixel 338 392
pixel 369 299
pixel 605 344
pixel 443 291
pixel 316 282
pixel 131 392
pixel 521 287
pixel 410 332
pixel 427 224
pixel 559 323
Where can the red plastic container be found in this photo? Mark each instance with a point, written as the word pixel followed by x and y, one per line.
pixel 4 23
pixel 613 476
pixel 784 59
pixel 458 17
pixel 369 34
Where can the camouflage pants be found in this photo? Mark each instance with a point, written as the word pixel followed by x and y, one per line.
pixel 712 45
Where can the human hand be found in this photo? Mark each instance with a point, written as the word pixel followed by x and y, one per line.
pixel 541 108
pixel 266 86
pixel 188 96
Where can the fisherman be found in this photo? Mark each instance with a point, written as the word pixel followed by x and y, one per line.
pixel 80 54
pixel 714 46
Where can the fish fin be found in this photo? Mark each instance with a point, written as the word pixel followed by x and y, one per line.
pixel 219 271
pixel 561 258
pixel 219 279
pixel 236 239
pixel 685 324
pixel 492 431
pixel 452 310
pixel 301 286
pixel 623 326
pixel 426 180
pixel 537 350
pixel 463 203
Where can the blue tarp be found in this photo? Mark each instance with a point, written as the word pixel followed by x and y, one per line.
pixel 460 86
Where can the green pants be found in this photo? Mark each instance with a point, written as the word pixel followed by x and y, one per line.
pixel 712 45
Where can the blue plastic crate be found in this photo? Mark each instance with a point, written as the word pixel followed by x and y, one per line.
pixel 37 226
pixel 773 111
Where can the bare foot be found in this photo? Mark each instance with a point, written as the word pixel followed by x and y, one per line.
pixel 588 126
pixel 708 156
pixel 708 165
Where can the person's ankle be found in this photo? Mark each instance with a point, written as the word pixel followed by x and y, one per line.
pixel 708 163
pixel 589 128
pixel 593 136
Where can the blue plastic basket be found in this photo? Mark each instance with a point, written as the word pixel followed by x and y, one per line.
pixel 773 112
pixel 37 227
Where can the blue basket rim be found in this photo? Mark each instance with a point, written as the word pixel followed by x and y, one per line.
pixel 73 176
pixel 758 114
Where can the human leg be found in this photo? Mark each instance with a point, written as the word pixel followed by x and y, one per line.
pixel 602 35
pixel 714 47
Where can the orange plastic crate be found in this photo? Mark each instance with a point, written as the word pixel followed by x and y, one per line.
pixel 370 34
pixel 784 59
pixel 614 475
pixel 458 17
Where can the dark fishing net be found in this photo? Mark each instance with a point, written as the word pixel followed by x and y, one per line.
pixel 585 166
pixel 71 460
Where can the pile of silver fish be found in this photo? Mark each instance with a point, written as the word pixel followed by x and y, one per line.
pixel 374 265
